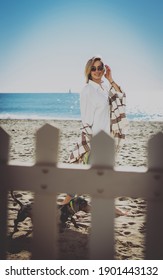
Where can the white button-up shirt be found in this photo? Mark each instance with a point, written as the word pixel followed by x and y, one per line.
pixel 94 107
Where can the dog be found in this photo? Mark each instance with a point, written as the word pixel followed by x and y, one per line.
pixel 24 212
pixel 69 209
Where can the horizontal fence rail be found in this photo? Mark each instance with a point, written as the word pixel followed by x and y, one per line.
pixel 101 180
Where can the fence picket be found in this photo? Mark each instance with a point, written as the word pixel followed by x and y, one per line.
pixel 102 150
pixel 4 153
pixel 102 233
pixel 47 145
pixel 154 240
pixel 45 228
pixel 4 146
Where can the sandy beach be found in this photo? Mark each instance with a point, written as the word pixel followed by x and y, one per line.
pixel 129 230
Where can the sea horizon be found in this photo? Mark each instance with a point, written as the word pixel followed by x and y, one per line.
pixel 60 106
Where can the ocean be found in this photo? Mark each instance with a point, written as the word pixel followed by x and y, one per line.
pixel 58 106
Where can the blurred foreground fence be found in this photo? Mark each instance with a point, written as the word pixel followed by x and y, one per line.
pixel 100 180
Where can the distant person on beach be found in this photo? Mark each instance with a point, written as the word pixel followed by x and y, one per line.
pixel 102 108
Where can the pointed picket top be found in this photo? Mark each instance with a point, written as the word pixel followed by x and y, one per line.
pixel 155 151
pixel 102 150
pixel 47 142
pixel 4 146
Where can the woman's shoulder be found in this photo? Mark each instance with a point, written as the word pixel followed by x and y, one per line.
pixel 87 88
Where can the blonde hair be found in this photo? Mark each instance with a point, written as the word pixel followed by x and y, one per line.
pixel 89 66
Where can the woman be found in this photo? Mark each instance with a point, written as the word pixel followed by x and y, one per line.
pixel 102 108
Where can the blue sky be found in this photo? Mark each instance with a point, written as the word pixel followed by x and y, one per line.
pixel 44 45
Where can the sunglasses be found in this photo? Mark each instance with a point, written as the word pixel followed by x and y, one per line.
pixel 99 68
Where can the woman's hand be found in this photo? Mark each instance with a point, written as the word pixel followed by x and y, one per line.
pixel 108 74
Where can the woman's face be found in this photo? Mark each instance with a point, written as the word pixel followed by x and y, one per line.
pixel 97 71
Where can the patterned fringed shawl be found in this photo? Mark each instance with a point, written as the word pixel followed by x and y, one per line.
pixel 118 119
pixel 118 123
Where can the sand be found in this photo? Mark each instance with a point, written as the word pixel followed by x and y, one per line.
pixel 129 230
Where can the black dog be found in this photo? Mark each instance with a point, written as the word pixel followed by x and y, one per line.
pixel 24 212
pixel 68 210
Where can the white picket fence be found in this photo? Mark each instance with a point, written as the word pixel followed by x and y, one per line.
pixel 101 180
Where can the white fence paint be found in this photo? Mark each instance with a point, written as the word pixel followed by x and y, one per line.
pixel 100 179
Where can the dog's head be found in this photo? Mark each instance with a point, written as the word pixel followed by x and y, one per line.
pixel 80 204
